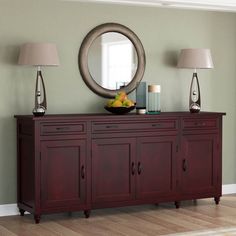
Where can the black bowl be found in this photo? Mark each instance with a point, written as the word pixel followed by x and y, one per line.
pixel 119 110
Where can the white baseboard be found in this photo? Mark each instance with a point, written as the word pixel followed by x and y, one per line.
pixel 12 209
pixel 9 210
pixel 228 189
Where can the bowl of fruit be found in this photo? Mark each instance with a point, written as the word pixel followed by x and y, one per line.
pixel 120 105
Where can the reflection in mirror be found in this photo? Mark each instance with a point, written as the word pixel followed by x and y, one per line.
pixel 112 60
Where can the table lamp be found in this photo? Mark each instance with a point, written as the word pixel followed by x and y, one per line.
pixel 39 54
pixel 199 58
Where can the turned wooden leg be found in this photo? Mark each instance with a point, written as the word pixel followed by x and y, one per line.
pixel 177 204
pixel 87 213
pixel 217 200
pixel 22 212
pixel 37 219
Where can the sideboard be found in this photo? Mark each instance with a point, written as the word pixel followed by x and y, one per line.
pixel 86 161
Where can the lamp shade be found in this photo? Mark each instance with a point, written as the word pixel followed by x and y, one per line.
pixel 38 54
pixel 199 58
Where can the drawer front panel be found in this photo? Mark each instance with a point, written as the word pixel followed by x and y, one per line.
pixel 200 123
pixel 62 128
pixel 129 126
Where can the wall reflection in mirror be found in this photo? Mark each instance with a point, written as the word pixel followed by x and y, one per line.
pixel 112 60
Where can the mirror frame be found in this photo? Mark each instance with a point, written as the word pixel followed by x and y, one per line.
pixel 83 58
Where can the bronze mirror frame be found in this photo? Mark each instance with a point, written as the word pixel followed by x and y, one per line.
pixel 83 58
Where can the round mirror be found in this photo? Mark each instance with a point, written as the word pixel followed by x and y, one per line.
pixel 111 58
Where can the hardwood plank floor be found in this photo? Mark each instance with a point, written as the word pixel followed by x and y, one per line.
pixel 129 221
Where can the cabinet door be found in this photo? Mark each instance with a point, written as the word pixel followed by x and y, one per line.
pixel 62 173
pixel 156 167
pixel 198 165
pixel 113 169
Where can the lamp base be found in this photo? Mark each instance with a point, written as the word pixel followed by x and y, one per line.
pixel 194 108
pixel 40 104
pixel 194 97
pixel 39 111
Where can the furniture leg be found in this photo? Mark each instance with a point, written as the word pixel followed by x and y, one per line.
pixel 37 219
pixel 87 213
pixel 217 200
pixel 22 212
pixel 177 204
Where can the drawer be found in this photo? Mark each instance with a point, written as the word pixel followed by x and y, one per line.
pixel 62 128
pixel 130 126
pixel 200 123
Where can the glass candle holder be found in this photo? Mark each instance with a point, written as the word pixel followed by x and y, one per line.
pixel 154 99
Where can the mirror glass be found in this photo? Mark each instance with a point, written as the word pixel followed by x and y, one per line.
pixel 112 60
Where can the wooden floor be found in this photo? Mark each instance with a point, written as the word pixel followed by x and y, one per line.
pixel 135 221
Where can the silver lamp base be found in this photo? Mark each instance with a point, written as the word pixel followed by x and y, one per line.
pixel 194 108
pixel 40 105
pixel 39 111
pixel 194 97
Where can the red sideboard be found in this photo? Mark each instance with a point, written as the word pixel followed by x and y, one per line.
pixel 88 161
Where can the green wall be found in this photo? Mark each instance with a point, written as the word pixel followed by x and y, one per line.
pixel 163 33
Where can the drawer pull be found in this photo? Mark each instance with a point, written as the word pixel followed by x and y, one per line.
pixel 133 168
pixel 82 172
pixel 112 126
pixel 199 123
pixel 139 168
pixel 184 165
pixel 62 128
pixel 156 125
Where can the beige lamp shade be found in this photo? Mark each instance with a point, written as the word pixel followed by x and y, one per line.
pixel 199 58
pixel 38 54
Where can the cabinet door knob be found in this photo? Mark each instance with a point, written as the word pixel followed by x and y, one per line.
pixel 82 172
pixel 139 168
pixel 184 165
pixel 133 168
